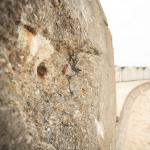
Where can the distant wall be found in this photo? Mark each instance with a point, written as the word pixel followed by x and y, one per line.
pixel 132 73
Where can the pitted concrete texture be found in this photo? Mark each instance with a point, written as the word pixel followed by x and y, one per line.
pixel 57 84
pixel 134 127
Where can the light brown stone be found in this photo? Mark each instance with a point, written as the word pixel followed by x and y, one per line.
pixel 42 104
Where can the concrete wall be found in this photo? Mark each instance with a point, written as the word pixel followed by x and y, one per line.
pixel 57 84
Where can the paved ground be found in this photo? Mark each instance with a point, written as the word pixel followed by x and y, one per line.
pixel 123 89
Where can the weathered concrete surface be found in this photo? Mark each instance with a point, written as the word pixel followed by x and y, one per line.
pixel 134 127
pixel 56 76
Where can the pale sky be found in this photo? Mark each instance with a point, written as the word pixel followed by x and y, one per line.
pixel 129 22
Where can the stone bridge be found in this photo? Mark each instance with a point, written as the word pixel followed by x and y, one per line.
pixel 123 89
pixel 133 131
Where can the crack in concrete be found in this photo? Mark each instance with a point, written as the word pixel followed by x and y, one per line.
pixel 73 60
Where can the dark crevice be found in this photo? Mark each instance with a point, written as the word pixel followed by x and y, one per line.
pixel 117 119
pixel 55 3
pixel 64 69
pixel 69 82
pixel 105 22
pixel 30 29
pixel 41 69
pixel 95 51
pixel 73 60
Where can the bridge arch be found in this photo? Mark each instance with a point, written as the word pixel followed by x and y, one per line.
pixel 123 89
pixel 134 126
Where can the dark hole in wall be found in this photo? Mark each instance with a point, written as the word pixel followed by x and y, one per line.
pixel 117 119
pixel 30 29
pixel 41 70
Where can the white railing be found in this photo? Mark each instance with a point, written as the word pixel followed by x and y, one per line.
pixel 132 73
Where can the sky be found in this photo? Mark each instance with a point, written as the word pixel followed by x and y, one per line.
pixel 129 22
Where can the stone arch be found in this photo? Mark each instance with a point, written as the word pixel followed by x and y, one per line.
pixel 134 127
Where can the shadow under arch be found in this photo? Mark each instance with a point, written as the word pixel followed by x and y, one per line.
pixel 127 113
